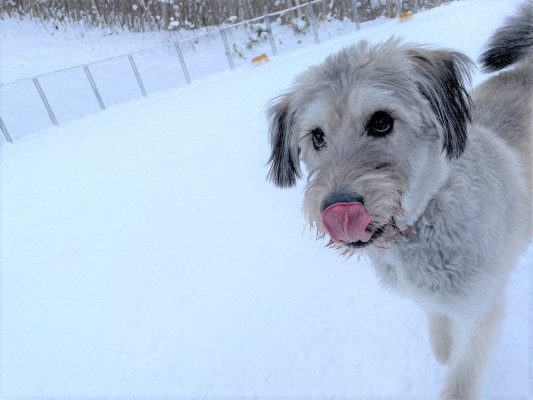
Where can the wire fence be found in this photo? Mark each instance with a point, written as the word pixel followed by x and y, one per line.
pixel 32 104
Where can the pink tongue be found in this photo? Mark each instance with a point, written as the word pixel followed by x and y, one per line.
pixel 347 222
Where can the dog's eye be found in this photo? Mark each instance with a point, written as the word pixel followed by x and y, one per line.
pixel 380 124
pixel 318 139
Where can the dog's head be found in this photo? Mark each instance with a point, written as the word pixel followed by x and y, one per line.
pixel 376 127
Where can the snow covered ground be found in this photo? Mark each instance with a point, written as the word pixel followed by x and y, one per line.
pixel 29 49
pixel 143 254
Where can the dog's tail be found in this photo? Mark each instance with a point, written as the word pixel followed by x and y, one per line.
pixel 511 43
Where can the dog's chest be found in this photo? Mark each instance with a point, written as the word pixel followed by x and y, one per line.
pixel 426 266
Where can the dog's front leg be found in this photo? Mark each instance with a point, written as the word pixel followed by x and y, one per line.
pixel 440 336
pixel 472 343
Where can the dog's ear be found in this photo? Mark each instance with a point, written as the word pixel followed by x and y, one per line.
pixel 284 160
pixel 443 77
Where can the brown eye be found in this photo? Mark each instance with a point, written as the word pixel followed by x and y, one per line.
pixel 319 142
pixel 380 124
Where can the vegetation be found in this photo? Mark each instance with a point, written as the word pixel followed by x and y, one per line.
pixel 148 15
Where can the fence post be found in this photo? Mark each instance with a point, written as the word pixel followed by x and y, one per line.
pixel 137 76
pixel 45 101
pixel 270 34
pixel 356 14
pixel 183 65
pixel 93 86
pixel 4 130
pixel 226 45
pixel 311 15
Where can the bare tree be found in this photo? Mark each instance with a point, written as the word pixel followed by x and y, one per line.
pixel 140 15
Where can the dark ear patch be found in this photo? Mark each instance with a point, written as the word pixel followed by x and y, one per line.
pixel 284 159
pixel 443 77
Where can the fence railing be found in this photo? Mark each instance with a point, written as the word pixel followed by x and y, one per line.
pixel 32 104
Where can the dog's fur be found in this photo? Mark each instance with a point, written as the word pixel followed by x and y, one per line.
pixel 260 59
pixel 405 16
pixel 449 189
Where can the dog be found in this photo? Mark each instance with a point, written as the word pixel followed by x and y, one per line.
pixel 260 59
pixel 431 181
pixel 405 16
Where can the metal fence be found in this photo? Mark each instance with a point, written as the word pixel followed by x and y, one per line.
pixel 32 104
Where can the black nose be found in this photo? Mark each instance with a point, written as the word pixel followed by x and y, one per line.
pixel 341 197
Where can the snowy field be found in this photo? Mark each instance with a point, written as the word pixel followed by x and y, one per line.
pixel 60 55
pixel 143 253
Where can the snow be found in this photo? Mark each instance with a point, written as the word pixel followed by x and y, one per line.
pixel 143 253
pixel 65 83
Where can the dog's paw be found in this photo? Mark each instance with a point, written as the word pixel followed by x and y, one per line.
pixel 440 337
pixel 441 351
pixel 455 392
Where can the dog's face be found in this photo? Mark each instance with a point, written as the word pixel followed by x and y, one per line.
pixel 376 127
